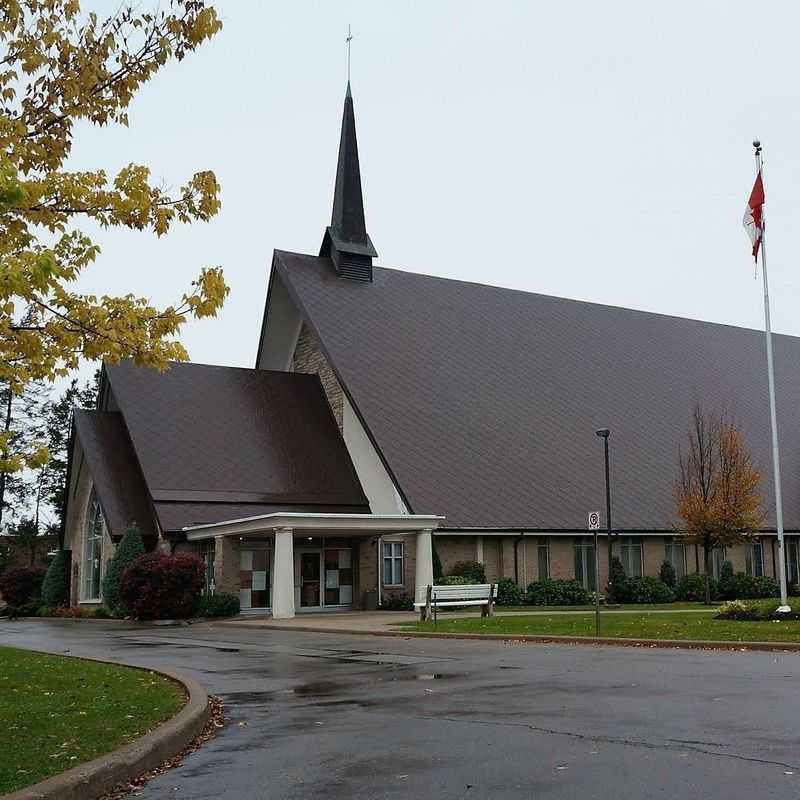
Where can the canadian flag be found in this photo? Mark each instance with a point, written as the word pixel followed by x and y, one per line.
pixel 753 215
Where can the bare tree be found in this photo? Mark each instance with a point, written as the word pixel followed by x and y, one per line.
pixel 717 487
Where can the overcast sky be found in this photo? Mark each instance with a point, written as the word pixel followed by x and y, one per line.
pixel 600 151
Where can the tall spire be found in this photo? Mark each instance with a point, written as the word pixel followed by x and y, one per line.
pixel 346 240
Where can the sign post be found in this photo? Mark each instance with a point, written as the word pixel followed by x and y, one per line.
pixel 594 526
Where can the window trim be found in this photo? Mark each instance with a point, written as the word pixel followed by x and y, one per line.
pixel 542 543
pixel 626 544
pixel 93 511
pixel 401 558
pixel 749 557
pixel 669 543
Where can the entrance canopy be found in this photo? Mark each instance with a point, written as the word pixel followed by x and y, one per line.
pixel 352 524
pixel 283 527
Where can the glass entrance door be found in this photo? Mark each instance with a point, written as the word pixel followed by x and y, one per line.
pixel 310 572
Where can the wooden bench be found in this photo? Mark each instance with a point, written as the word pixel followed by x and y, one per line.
pixel 436 597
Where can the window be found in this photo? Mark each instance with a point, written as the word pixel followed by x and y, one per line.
pixel 631 555
pixel 93 550
pixel 207 554
pixel 543 557
pixel 792 560
pixel 675 554
pixel 754 558
pixel 717 560
pixel 584 561
pixel 393 563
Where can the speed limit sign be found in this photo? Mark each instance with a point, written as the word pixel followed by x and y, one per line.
pixel 594 521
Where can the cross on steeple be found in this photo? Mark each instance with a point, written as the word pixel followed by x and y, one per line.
pixel 348 40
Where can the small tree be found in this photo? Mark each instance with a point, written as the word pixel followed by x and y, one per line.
pixel 717 487
pixel 437 564
pixel 617 582
pixel 55 588
pixel 130 548
pixel 667 574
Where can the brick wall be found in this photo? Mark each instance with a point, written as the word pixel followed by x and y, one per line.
pixel 226 564
pixel 308 358
pixel 452 549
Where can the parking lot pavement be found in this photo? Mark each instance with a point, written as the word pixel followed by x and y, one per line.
pixel 341 716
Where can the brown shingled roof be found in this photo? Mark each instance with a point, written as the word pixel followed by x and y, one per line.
pixel 220 442
pixel 115 471
pixel 484 401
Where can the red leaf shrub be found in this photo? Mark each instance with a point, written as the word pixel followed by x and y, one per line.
pixel 159 586
pixel 20 585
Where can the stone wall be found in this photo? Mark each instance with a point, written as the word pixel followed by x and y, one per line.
pixel 308 358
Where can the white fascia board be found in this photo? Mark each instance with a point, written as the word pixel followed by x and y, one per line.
pixel 298 521
pixel 534 532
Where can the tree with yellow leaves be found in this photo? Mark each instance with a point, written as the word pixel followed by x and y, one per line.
pixel 58 67
pixel 716 491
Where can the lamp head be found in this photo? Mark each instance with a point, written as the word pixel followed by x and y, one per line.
pixel 603 432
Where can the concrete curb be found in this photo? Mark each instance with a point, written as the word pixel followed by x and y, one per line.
pixel 97 777
pixel 669 644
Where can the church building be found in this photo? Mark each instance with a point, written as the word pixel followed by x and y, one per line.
pixel 390 414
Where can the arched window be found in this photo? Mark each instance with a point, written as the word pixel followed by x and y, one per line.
pixel 93 549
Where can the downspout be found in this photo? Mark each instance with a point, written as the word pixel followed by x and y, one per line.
pixel 380 563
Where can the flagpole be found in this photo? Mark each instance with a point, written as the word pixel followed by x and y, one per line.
pixel 776 462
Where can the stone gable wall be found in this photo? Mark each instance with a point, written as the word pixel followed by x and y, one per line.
pixel 308 358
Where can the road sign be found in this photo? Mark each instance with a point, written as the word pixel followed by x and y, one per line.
pixel 594 521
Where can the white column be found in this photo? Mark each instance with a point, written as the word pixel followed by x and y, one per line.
pixel 424 574
pixel 283 575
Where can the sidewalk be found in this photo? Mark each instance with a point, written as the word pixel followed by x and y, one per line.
pixel 383 621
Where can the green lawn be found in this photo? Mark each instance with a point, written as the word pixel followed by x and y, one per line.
pixel 57 712
pixel 672 625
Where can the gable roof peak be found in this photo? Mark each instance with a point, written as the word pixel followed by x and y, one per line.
pixel 346 240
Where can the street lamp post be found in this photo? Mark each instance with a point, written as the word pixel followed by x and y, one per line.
pixel 604 433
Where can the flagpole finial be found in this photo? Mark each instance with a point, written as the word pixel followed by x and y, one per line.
pixel 757 145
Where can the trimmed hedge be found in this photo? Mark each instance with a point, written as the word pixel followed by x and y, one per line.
pixel 217 605
pixel 130 548
pixel 550 592
pixel 55 586
pixel 21 586
pixel 509 593
pixel 693 587
pixel 453 580
pixel 644 590
pixel 473 571
pixel 159 586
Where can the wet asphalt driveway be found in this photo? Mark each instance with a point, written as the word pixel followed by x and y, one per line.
pixel 333 716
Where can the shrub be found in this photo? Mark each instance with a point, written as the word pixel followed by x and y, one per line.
pixel 217 605
pixel 549 592
pixel 100 613
pixel 22 585
pixel 55 587
pixel 130 548
pixel 667 574
pixel 71 612
pixel 693 587
pixel 616 584
pixel 764 586
pixel 509 593
pixel 159 586
pixel 45 611
pixel 437 564
pixel 473 571
pixel 648 590
pixel 398 602
pixel 754 610
pixel 727 585
pixel 737 609
pixel 453 580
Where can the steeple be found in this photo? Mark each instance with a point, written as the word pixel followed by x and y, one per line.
pixel 346 240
